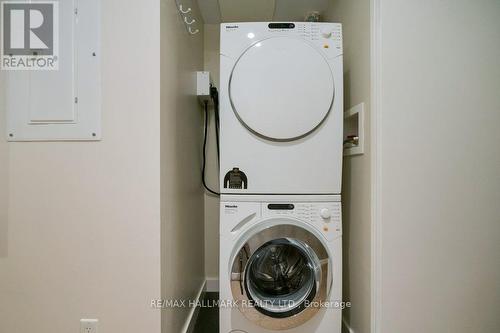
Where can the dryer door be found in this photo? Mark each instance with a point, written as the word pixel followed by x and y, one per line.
pixel 281 88
pixel 280 275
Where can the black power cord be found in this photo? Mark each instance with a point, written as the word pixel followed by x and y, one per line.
pixel 214 94
pixel 205 136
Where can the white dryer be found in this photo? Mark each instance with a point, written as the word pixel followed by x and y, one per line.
pixel 280 264
pixel 281 100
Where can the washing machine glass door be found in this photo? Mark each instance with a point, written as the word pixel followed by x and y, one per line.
pixel 281 88
pixel 280 275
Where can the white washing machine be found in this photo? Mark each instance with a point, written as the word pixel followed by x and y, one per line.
pixel 280 264
pixel 281 100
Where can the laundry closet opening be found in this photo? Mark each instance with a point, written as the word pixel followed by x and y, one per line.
pixel 354 15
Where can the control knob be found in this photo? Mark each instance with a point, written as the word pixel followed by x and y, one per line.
pixel 325 213
pixel 326 33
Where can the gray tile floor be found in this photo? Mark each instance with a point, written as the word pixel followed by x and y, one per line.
pixel 208 318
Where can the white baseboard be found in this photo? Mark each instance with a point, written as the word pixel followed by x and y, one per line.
pixel 346 328
pixel 212 285
pixel 193 312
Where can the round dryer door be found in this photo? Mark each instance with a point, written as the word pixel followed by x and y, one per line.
pixel 281 88
pixel 278 276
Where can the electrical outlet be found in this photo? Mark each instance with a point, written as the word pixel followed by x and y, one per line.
pixel 203 86
pixel 88 325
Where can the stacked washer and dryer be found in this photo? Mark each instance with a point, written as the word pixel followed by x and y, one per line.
pixel 281 167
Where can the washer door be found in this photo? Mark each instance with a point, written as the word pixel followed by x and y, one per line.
pixel 280 275
pixel 281 88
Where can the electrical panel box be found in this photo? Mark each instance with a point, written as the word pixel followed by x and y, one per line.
pixel 62 104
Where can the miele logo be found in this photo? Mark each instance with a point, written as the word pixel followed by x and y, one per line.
pixel 231 206
pixel 232 27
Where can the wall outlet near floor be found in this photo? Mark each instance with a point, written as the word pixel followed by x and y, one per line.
pixel 88 325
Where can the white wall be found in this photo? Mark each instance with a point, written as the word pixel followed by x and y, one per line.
pixel 84 217
pixel 4 178
pixel 356 183
pixel 181 140
pixel 212 64
pixel 439 166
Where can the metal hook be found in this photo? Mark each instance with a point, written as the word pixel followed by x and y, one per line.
pixel 193 32
pixel 186 20
pixel 184 11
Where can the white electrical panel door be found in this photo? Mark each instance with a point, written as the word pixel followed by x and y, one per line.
pixel 62 104
pixel 51 94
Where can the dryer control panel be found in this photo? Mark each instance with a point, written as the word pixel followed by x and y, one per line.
pixel 326 217
pixel 325 36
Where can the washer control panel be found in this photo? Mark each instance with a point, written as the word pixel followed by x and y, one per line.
pixel 326 217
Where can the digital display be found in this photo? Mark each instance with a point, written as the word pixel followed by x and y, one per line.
pixel 281 25
pixel 281 206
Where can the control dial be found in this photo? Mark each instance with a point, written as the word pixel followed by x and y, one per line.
pixel 326 33
pixel 325 213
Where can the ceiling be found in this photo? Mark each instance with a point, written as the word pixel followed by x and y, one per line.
pixel 218 11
